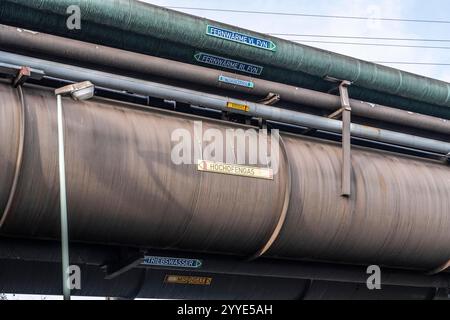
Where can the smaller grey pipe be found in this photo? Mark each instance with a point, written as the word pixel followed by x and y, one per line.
pixel 30 43
pixel 112 81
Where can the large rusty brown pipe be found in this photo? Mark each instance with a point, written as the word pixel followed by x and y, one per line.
pixel 124 189
pixel 40 44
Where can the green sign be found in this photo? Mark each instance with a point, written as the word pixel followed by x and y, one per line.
pixel 228 63
pixel 171 262
pixel 240 38
pixel 236 82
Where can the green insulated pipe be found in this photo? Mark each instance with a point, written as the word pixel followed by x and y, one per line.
pixel 137 26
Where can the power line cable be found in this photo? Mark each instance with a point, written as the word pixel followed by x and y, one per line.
pixel 372 44
pixel 310 15
pixel 349 37
pixel 413 63
pixel 355 37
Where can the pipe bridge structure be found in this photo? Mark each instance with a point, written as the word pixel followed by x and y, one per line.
pixel 362 176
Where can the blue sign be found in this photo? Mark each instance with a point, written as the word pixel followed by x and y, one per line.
pixel 171 262
pixel 237 82
pixel 228 63
pixel 240 38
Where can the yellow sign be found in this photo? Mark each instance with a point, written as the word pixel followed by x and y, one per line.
pixel 237 106
pixel 198 281
pixel 235 170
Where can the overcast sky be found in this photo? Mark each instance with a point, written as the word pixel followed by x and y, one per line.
pixel 405 9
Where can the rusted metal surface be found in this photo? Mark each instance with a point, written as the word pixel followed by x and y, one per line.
pixel 123 188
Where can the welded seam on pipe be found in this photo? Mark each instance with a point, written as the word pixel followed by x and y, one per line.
pixel 287 199
pixel 197 196
pixel 19 158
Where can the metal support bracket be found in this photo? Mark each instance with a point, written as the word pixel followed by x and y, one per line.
pixel 20 73
pixel 271 99
pixel 22 76
pixel 337 114
pixel 346 139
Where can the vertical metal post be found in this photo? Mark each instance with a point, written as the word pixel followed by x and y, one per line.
pixel 63 203
pixel 346 139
